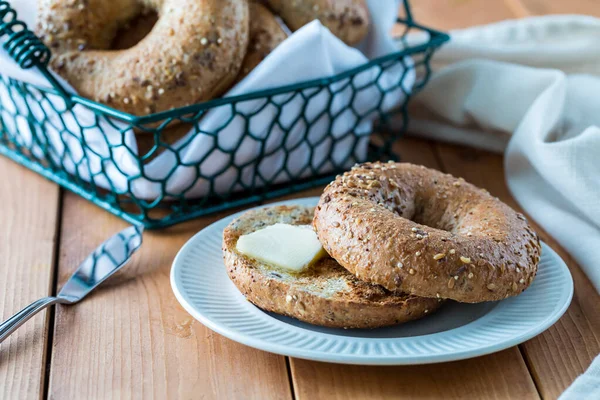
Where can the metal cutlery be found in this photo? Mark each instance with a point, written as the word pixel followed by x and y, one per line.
pixel 103 262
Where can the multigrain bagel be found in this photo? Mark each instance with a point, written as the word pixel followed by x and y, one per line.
pixel 193 53
pixel 418 230
pixel 326 294
pixel 346 19
pixel 265 35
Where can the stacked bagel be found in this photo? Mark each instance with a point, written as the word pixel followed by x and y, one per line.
pixel 400 240
pixel 194 52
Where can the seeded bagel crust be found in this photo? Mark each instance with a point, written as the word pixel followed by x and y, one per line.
pixel 326 294
pixel 193 53
pixel 346 19
pixel 414 229
pixel 265 35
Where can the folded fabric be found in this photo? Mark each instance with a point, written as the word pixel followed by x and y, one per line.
pixel 530 88
pixel 586 386
pixel 109 157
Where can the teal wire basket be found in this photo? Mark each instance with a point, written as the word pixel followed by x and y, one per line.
pixel 164 168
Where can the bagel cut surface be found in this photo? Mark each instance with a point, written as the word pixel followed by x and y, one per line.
pixel 325 294
pixel 193 52
pixel 420 231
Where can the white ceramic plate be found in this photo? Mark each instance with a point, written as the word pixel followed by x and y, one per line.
pixel 455 332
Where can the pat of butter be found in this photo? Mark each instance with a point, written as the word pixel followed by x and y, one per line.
pixel 289 247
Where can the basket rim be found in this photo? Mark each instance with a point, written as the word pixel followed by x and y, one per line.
pixel 109 199
pixel 436 39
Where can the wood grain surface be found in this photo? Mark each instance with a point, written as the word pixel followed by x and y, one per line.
pixel 132 339
pixel 543 7
pixel 499 376
pixel 559 355
pixel 452 14
pixel 27 243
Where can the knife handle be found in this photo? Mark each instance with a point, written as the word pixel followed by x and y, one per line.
pixel 11 324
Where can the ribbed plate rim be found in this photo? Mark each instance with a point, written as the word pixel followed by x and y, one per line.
pixel 444 346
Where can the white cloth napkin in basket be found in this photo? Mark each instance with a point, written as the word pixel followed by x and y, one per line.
pixel 310 53
pixel 531 88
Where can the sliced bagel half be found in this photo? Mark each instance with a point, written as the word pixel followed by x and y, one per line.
pixel 324 294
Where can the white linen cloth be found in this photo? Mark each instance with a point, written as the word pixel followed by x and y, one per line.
pixel 586 386
pixel 531 88
pixel 310 53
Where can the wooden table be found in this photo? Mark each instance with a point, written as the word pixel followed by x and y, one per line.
pixel 132 339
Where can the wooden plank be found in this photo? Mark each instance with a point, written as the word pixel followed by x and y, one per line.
pixel 454 14
pixel 542 7
pixel 416 151
pixel 564 351
pixel 132 339
pixel 29 216
pixel 500 375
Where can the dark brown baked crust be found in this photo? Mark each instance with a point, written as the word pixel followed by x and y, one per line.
pixel 346 19
pixel 193 53
pixel 326 294
pixel 410 228
pixel 265 35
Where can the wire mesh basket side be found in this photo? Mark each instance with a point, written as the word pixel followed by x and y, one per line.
pixel 174 166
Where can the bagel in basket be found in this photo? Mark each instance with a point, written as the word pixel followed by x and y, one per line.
pixel 193 53
pixel 346 19
pixel 265 35
pixel 325 294
pixel 414 229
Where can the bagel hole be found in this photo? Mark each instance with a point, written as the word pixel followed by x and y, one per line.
pixel 439 225
pixel 135 30
pixel 433 216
